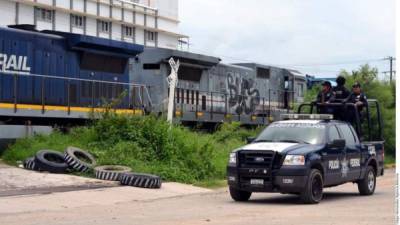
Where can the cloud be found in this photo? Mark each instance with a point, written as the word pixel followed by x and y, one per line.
pixel 291 32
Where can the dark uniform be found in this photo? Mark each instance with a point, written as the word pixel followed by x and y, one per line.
pixel 356 97
pixel 325 97
pixel 341 92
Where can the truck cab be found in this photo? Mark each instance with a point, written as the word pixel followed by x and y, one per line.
pixel 303 154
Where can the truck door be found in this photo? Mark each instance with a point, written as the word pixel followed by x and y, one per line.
pixel 332 158
pixel 353 154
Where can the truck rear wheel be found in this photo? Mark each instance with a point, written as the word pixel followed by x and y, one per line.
pixel 313 191
pixel 238 195
pixel 366 186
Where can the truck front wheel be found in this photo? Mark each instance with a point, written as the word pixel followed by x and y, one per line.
pixel 238 195
pixel 366 186
pixel 313 190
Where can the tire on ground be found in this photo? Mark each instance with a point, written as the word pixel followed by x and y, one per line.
pixel 112 173
pixel 141 180
pixel 30 164
pixel 367 185
pixel 313 191
pixel 51 161
pixel 78 159
pixel 238 195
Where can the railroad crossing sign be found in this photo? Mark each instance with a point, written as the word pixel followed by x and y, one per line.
pixel 172 80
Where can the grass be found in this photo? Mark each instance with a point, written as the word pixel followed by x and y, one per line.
pixel 390 161
pixel 147 145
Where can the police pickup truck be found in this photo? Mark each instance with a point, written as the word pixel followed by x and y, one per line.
pixel 301 155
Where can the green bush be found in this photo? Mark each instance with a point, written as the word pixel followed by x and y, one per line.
pixel 146 144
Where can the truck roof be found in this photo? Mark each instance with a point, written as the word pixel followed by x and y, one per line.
pixel 310 121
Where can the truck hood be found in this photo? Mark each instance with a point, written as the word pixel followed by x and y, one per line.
pixel 282 147
pixel 270 146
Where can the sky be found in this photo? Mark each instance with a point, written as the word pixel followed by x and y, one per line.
pixel 315 37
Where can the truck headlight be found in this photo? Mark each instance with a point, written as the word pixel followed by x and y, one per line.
pixel 232 158
pixel 294 160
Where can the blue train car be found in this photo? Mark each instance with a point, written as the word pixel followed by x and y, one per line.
pixel 67 73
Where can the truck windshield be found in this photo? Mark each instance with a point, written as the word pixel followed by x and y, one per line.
pixel 307 133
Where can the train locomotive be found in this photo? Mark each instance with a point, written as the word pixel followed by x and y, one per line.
pixel 209 91
pixel 51 77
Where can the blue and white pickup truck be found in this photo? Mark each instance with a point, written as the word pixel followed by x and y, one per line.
pixel 302 155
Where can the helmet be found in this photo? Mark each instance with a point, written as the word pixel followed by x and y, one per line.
pixel 340 80
pixel 327 83
pixel 356 84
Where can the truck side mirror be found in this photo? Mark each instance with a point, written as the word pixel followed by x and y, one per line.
pixel 250 140
pixel 337 144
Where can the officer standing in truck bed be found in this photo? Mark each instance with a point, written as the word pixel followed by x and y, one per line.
pixel 358 98
pixel 340 91
pixel 325 96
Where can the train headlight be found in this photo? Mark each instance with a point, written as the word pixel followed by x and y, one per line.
pixel 294 160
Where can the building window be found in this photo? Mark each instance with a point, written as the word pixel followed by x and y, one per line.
pixel 44 15
pixel 77 21
pixel 128 32
pixel 151 36
pixel 104 26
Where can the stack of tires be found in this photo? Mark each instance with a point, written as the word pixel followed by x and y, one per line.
pixel 75 159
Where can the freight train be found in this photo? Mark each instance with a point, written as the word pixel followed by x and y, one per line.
pixel 51 77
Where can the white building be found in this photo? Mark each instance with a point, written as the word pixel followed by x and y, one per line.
pixel 145 22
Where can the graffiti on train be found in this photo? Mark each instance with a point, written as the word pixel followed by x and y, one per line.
pixel 243 96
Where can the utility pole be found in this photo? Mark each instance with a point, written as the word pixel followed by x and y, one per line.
pixel 391 59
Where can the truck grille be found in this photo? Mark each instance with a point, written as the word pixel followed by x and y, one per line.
pixel 256 159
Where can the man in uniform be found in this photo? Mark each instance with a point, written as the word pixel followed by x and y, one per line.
pixel 325 96
pixel 341 93
pixel 340 90
pixel 359 99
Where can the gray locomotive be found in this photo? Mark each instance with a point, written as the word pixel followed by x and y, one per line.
pixel 209 91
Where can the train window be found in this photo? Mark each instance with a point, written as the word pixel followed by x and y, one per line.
pixel 197 97
pixel 177 95
pixel 182 96
pixel 192 97
pixel 103 63
pixel 203 102
pixel 187 97
pixel 151 66
pixel 189 73
pixel 263 73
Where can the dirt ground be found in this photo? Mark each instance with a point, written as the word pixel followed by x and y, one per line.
pixel 184 204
